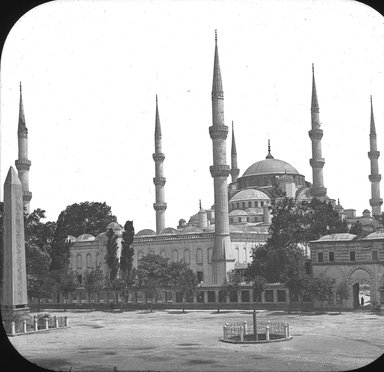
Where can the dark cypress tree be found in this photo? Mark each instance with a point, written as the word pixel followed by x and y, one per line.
pixel 127 252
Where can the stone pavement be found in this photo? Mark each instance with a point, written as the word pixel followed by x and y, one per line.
pixel 170 341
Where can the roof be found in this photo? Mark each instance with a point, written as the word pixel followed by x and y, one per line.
pixel 238 212
pixel 375 235
pixel 145 232
pixel 285 178
pixel 168 231
pixel 249 194
pixel 85 237
pixel 270 166
pixel 337 237
pixel 191 229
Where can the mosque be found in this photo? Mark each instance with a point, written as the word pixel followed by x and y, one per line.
pixel 219 239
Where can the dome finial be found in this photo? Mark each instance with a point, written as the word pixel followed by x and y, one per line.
pixel 200 204
pixel 269 155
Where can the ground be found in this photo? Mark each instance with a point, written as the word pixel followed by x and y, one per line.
pixel 170 340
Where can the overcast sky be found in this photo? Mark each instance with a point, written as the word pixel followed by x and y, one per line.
pixel 90 71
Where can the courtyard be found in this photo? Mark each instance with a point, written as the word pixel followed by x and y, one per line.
pixel 169 340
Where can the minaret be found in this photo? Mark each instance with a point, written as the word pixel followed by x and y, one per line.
pixel 317 162
pixel 160 206
pixel 374 177
pixel 234 170
pixel 222 260
pixel 269 155
pixel 22 163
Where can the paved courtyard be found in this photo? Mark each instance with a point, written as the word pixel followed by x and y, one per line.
pixel 171 340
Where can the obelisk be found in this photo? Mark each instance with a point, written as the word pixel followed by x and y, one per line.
pixel 15 298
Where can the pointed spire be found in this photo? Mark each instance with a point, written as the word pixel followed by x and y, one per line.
pixel 233 149
pixel 199 204
pixel 269 156
pixel 315 102
pixel 217 86
pixel 22 128
pixel 373 127
pixel 157 123
pixel 12 178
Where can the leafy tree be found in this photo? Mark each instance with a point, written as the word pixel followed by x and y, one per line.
pixel 183 279
pixel 66 282
pixel 322 288
pixel 356 229
pixel 127 252
pixel 230 283
pixel 93 282
pixel 152 274
pixel 77 219
pixel 342 292
pixel 111 255
pixel 258 286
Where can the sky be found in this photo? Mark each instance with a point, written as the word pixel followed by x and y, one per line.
pixel 90 71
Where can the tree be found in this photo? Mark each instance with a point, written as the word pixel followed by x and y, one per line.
pixel 183 279
pixel 258 285
pixel 356 229
pixel 322 288
pixel 1 248
pixel 66 282
pixel 77 219
pixel 152 274
pixel 111 255
pixel 127 252
pixel 342 292
pixel 93 282
pixel 230 283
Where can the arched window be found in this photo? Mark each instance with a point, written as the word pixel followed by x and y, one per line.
pixel 210 255
pixel 187 257
pixel 175 256
pixel 199 257
pixel 139 256
pixel 89 261
pixel 245 255
pixel 230 220
pixel 79 261
pixel 162 254
pixel 237 258
pixel 97 259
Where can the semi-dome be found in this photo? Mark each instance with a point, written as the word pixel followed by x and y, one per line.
pixel 145 232
pixel 238 212
pixel 270 166
pixel 168 231
pixel 85 237
pixel 249 194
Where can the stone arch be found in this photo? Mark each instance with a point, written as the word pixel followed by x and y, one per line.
pixel 338 269
pixel 371 280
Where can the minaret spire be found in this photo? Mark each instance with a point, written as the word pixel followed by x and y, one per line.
pixel 316 134
pixel 222 257
pixel 269 155
pixel 160 206
pixel 234 170
pixel 23 163
pixel 374 177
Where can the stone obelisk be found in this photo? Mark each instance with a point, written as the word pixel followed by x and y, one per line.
pixel 14 299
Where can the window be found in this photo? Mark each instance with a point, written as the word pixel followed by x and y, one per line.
pixel 175 256
pixel 320 257
pixel 231 220
pixel 244 205
pixel 375 256
pixel 237 258
pixel 200 296
pixel 281 295
pixel 352 256
pixel 199 257
pixel 200 276
pixel 256 204
pixel 233 296
pixel 331 256
pixel 78 261
pixel 268 293
pixel 211 296
pixel 247 219
pixel 237 205
pixel 187 257
pixel 89 261
pixel 249 204
pixel 210 255
pixel 245 255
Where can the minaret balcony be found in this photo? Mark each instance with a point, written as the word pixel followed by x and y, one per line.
pixel 27 196
pixel 318 191
pixel 317 163
pixel 375 177
pixel 221 170
pixel 159 206
pixel 218 132
pixel 373 154
pixel 23 164
pixel 375 202
pixel 159 181
pixel 315 134
pixel 22 132
pixel 158 156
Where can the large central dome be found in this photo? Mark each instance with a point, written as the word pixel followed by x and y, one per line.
pixel 270 166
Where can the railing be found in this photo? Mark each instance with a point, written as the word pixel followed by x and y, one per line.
pixel 265 330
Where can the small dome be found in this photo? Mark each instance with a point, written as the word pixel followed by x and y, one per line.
pixel 86 237
pixel 114 226
pixel 270 166
pixel 70 239
pixel 169 231
pixel 194 219
pixel 238 212
pixel 145 232
pixel 341 236
pixel 338 207
pixel 375 235
pixel 249 194
pixel 191 229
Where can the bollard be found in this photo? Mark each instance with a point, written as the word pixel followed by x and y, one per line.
pixel 65 321
pixel 35 323
pixel 245 326
pixel 286 330
pixel 225 331
pixel 13 328
pixel 56 322
pixel 46 323
pixel 24 326
pixel 241 334
pixel 267 332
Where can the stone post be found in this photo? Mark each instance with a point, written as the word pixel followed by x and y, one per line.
pixel 245 327
pixel 24 326
pixel 267 332
pixel 15 298
pixel 35 328
pixel 242 334
pixel 56 322
pixel 46 325
pixel 225 333
pixel 13 328
pixel 66 321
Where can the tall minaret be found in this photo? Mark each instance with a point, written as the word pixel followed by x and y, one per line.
pixel 234 170
pixel 222 260
pixel 374 177
pixel 317 162
pixel 22 163
pixel 160 206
